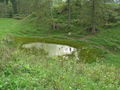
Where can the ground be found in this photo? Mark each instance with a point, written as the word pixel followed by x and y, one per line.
pixel 108 40
pixel 34 71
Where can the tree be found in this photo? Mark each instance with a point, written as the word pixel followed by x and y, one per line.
pixel 42 9
pixel 14 5
pixel 69 12
pixel 24 7
pixel 93 14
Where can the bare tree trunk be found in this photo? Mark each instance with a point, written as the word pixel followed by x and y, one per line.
pixel 93 17
pixel 69 12
pixel 51 9
pixel 14 5
pixel 5 11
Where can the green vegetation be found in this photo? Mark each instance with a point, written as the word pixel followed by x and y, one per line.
pixel 35 71
pixel 6 25
pixel 90 26
pixel 29 70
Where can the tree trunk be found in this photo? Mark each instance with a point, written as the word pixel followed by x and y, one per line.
pixel 69 12
pixel 93 17
pixel 14 6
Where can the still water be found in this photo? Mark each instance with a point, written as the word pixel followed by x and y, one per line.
pixel 51 49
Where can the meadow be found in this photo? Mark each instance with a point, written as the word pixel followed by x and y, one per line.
pixel 33 70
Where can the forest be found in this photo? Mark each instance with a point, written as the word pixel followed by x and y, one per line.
pixel 59 44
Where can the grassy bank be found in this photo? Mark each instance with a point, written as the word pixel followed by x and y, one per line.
pixel 105 40
pixel 34 71
pixel 7 25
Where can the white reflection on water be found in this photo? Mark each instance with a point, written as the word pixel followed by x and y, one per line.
pixel 51 49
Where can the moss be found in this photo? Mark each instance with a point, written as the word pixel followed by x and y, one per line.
pixel 86 52
pixel 73 43
pixel 90 54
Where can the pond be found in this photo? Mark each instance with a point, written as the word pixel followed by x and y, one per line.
pixel 82 51
pixel 51 49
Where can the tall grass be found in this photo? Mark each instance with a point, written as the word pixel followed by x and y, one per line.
pixel 20 70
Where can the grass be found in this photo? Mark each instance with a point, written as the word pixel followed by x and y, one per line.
pixel 29 71
pixel 108 40
pixel 7 25
pixel 21 70
pixel 104 40
pixel 29 27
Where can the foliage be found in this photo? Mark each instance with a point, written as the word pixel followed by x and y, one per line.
pixel 35 71
pixel 98 65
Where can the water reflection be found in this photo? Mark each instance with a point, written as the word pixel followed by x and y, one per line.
pixel 51 49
